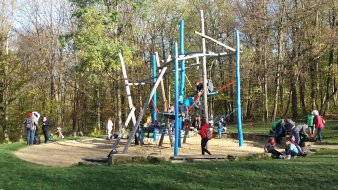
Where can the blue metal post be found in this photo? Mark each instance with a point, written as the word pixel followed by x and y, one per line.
pixel 238 92
pixel 176 101
pixel 182 84
pixel 154 97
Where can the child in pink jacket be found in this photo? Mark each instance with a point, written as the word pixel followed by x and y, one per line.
pixel 319 124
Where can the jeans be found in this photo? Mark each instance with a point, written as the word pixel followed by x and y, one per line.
pixel 297 136
pixel 30 136
pixel 319 133
pixel 219 132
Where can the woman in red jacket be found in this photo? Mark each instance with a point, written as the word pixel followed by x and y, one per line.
pixel 203 133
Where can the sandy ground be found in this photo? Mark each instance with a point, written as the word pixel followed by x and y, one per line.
pixel 69 153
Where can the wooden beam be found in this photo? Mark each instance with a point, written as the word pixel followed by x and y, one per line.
pixel 143 110
pixel 162 84
pixel 205 79
pixel 118 139
pixel 217 42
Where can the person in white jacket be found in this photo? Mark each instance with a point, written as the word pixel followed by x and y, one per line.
pixel 109 128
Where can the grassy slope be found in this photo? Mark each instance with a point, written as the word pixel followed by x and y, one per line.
pixel 330 132
pixel 262 174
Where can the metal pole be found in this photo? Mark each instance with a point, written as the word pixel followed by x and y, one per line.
pixel 176 101
pixel 182 84
pixel 155 94
pixel 238 92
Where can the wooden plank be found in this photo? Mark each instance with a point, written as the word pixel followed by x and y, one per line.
pixel 191 157
pixel 217 42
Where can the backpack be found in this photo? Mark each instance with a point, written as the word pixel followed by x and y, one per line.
pixel 209 134
pixel 28 123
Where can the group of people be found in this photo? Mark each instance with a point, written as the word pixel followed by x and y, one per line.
pixel 313 121
pixel 292 148
pixel 31 125
pixel 297 134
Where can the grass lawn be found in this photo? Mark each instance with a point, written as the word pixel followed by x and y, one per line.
pixel 330 131
pixel 319 171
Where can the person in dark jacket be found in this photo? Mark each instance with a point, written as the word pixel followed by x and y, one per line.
pixel 46 128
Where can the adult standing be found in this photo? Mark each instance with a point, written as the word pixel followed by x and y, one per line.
pixel 36 117
pixel 46 128
pixel 204 130
pixel 319 124
pixel 30 126
pixel 109 128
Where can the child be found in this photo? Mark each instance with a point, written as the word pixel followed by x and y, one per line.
pixel 204 139
pixel 319 124
pixel 221 127
pixel 309 120
pixel 292 150
pixel 59 133
pixel 271 149
pixel 293 141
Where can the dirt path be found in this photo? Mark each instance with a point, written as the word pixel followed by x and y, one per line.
pixel 69 153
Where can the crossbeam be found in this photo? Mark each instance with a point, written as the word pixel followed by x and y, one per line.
pixel 214 40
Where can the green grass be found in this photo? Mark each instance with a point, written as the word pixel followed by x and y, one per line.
pixel 322 169
pixel 330 131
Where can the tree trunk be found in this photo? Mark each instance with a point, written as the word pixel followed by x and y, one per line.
pixel 294 103
pixel 98 118
pixel 302 94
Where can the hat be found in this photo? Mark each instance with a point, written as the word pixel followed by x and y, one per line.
pixel 315 112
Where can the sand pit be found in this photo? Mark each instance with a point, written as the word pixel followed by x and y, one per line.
pixel 71 152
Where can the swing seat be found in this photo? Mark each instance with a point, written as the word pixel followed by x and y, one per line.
pixel 169 115
pixel 212 93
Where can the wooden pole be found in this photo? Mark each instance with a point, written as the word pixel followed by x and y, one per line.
pixel 143 110
pixel 162 84
pixel 217 42
pixel 126 82
pixel 205 79
pixel 118 139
